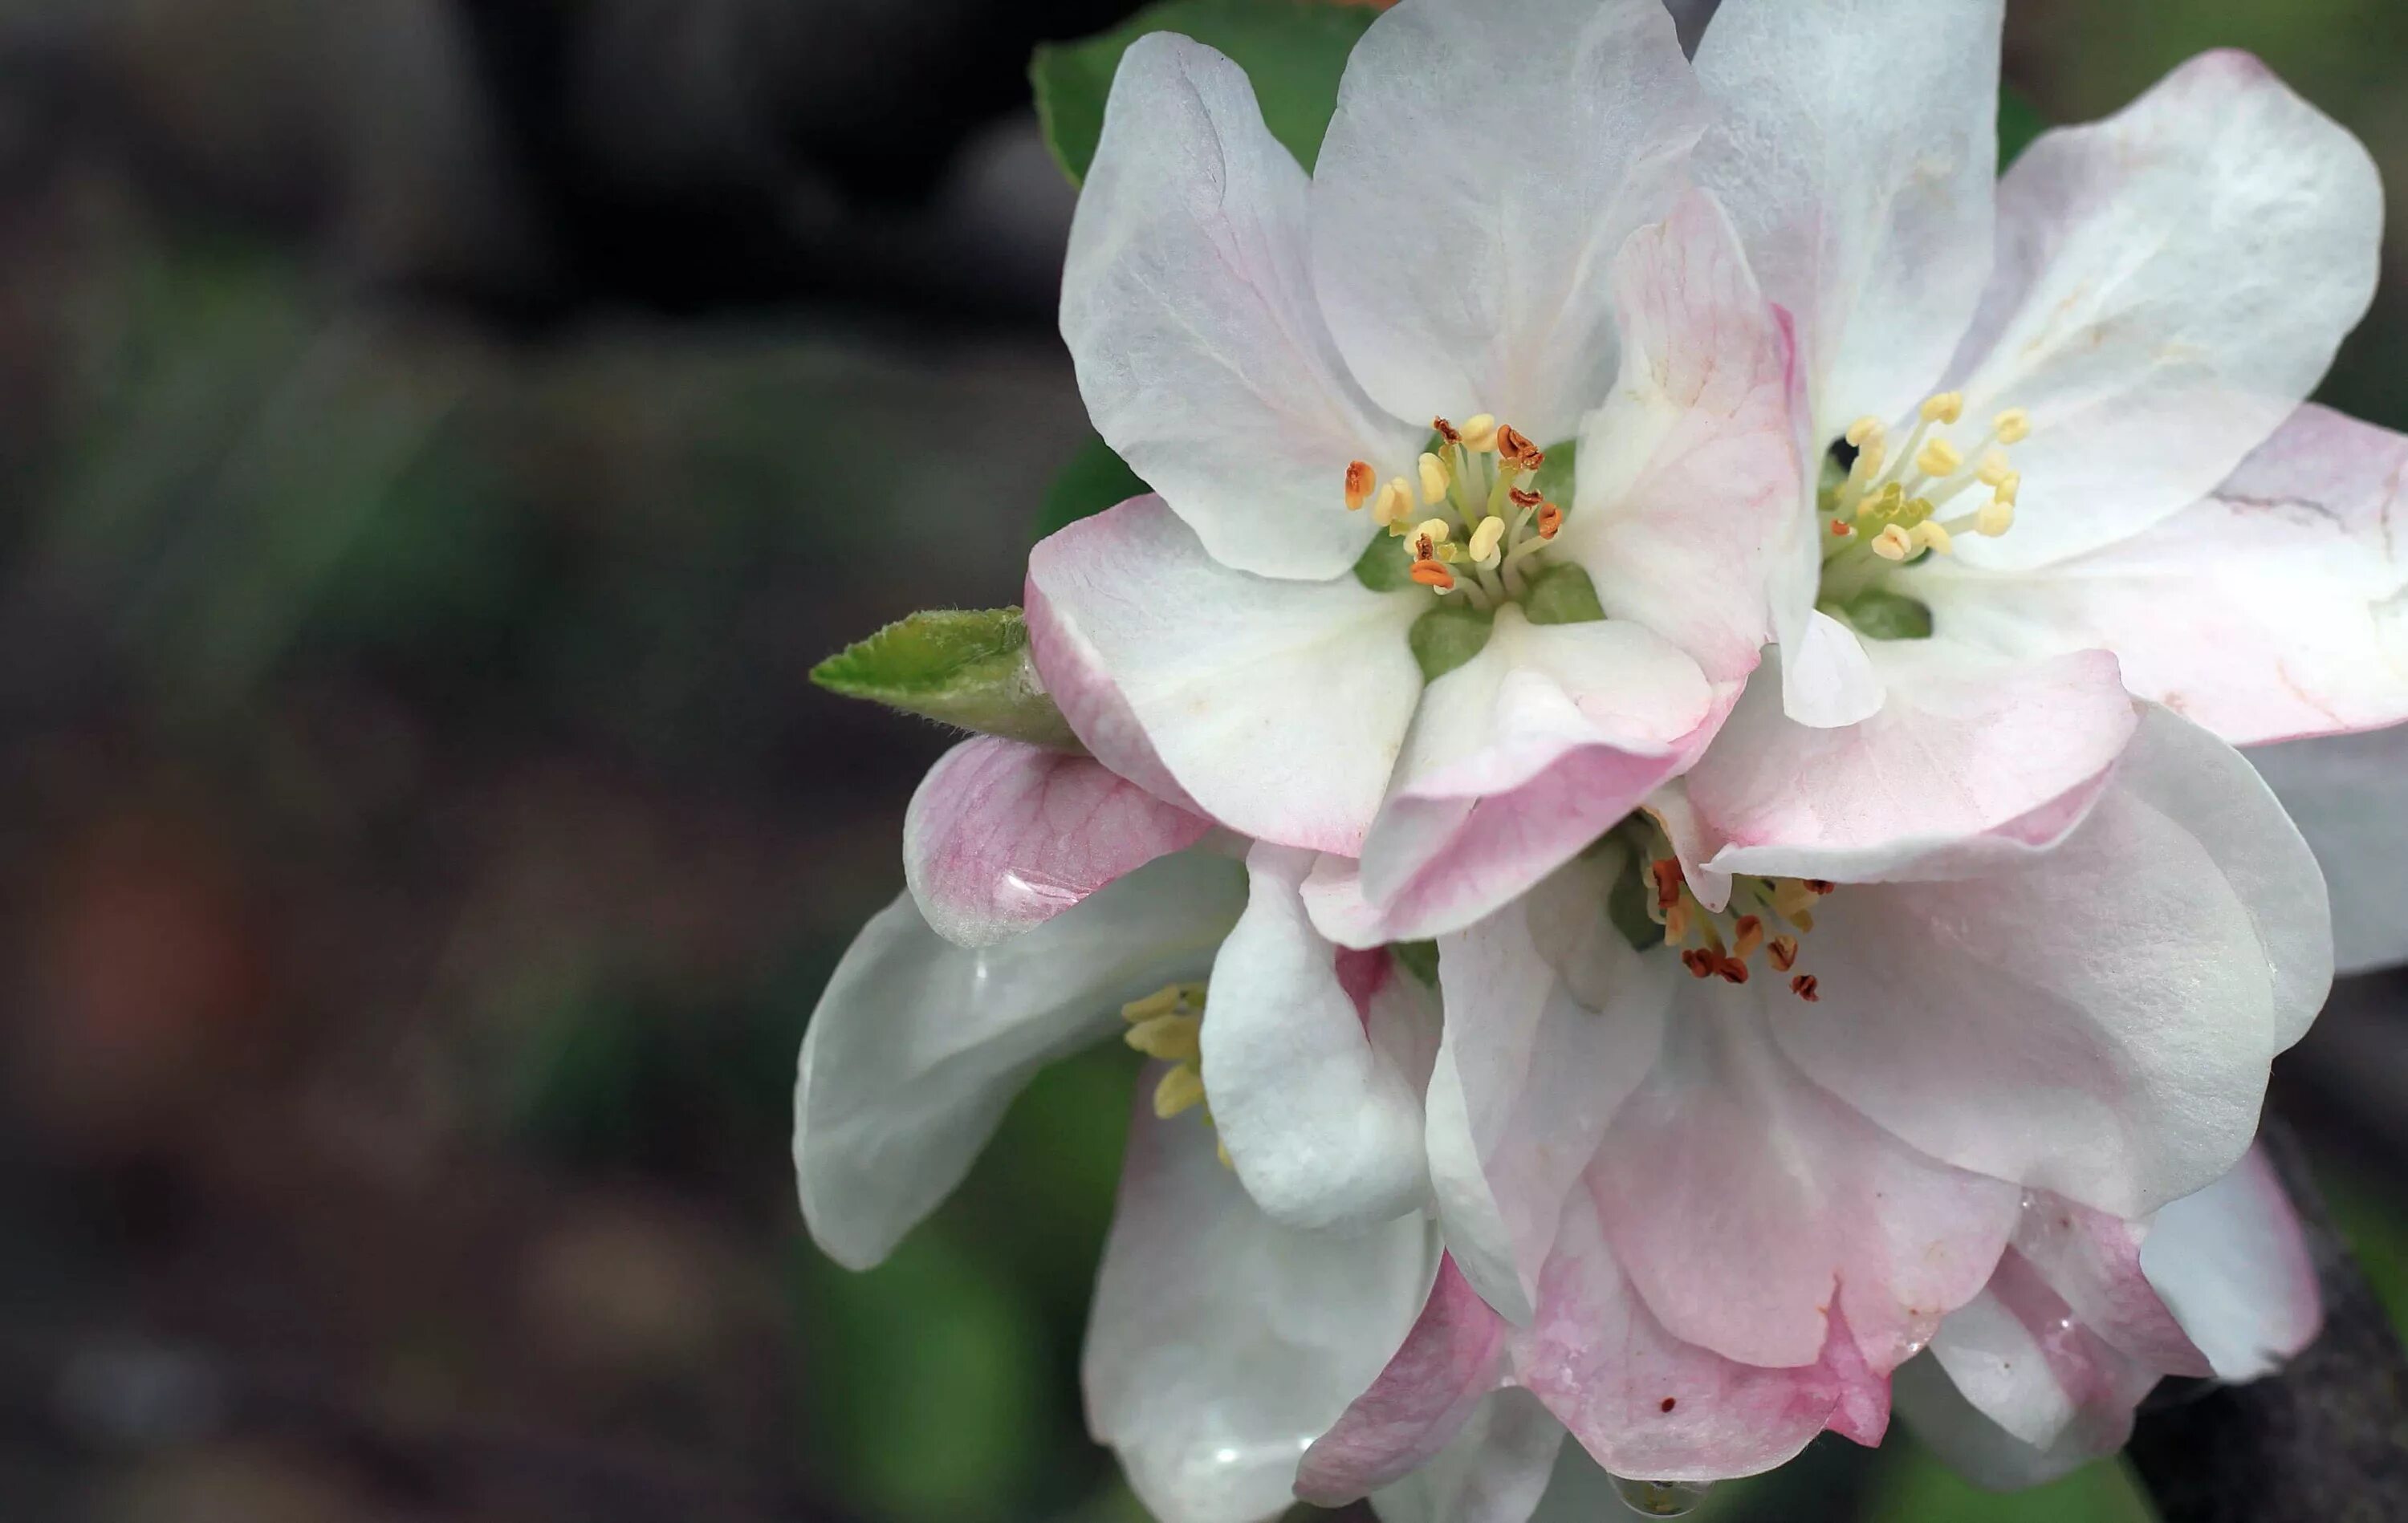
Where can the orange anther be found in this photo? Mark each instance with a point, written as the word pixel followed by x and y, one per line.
pixel 1361 481
pixel 1820 886
pixel 1746 936
pixel 1805 988
pixel 1782 950
pixel 1432 573
pixel 1523 497
pixel 1551 519
pixel 1841 529
pixel 1666 874
pixel 1699 962
pixel 1446 431
pixel 1732 970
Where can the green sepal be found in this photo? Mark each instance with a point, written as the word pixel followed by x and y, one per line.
pixel 1293 52
pixel 1386 565
pixel 1879 615
pixel 1096 480
pixel 1557 478
pixel 1448 635
pixel 958 667
pixel 1562 595
pixel 1418 957
pixel 2019 122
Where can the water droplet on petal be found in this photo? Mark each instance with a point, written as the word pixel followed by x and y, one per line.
pixel 1661 1499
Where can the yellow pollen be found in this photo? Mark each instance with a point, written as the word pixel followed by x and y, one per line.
pixel 1927 535
pixel 1168 1024
pixel 2013 426
pixel 1434 479
pixel 1359 482
pixel 1893 544
pixel 2011 487
pixel 1946 408
pixel 1171 1038
pixel 1865 431
pixel 1485 541
pixel 1940 458
pixel 1890 499
pixel 1996 517
pixel 1994 468
pixel 1433 529
pixel 1393 506
pixel 1480 431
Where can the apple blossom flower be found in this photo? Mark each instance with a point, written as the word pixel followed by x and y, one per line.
pixel 2054 413
pixel 2043 1370
pixel 1270 1247
pixel 1700 1201
pixel 1361 616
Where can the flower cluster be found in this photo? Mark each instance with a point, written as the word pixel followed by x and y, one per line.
pixel 1657 776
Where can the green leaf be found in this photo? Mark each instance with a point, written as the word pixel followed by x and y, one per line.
pixel 2019 122
pixel 1386 565
pixel 1562 595
pixel 1095 479
pixel 1294 50
pixel 1889 616
pixel 1448 635
pixel 1555 477
pixel 1418 957
pixel 957 666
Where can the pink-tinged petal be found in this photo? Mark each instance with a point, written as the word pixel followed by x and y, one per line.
pixel 1188 306
pixel 918 1046
pixel 1971 760
pixel 1677 818
pixel 1278 706
pixel 2277 607
pixel 1002 836
pixel 2092 1261
pixel 2348 794
pixel 1453 1358
pixel 1220 1345
pixel 1496 1470
pixel 1314 1063
pixel 2171 282
pixel 1857 149
pixel 1521 757
pixel 1644 1403
pixel 1688 516
pixel 2096 1020
pixel 1747 1205
pixel 2016 1392
pixel 1484 165
pixel 1553 1020
pixel 2234 1264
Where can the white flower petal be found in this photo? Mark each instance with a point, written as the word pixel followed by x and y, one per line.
pixel 2275 608
pixel 1188 306
pixel 2171 283
pixel 1220 1344
pixel 1278 706
pixel 1495 1471
pixel 918 1046
pixel 2233 1267
pixel 1315 1062
pixel 2095 1022
pixel 2348 794
pixel 1857 145
pixel 1484 163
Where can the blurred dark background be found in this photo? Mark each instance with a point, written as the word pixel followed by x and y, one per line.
pixel 438 436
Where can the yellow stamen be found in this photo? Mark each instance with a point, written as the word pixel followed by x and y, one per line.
pixel 1940 458
pixel 2011 426
pixel 1181 1089
pixel 1171 1038
pixel 1946 408
pixel 1394 505
pixel 1434 479
pixel 1171 999
pixel 1893 544
pixel 1889 499
pixel 1865 431
pixel 1994 468
pixel 1485 541
pixel 1480 431
pixel 2009 489
pixel 1927 535
pixel 1997 517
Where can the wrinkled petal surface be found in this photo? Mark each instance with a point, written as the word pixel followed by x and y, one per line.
pixel 1220 1345
pixel 2171 283
pixel 918 1046
pixel 1484 163
pixel 1187 304
pixel 1315 1062
pixel 1278 707
pixel 2277 607
pixel 1002 836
